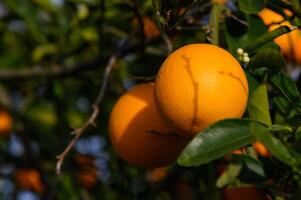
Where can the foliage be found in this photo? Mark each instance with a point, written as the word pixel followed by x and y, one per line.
pixel 53 60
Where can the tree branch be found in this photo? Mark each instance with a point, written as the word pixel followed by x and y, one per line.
pixel 42 72
pixel 91 121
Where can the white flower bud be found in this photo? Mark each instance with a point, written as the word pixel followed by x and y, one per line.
pixel 240 51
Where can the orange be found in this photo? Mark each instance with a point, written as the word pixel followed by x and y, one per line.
pixel 243 193
pixel 221 2
pixel 200 84
pixel 87 177
pixel 261 149
pixel 5 122
pixel 84 160
pixel 150 28
pixel 157 175
pixel 289 43
pixel 138 133
pixel 29 179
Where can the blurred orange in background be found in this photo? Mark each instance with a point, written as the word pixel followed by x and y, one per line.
pixel 29 179
pixel 149 26
pixel 6 122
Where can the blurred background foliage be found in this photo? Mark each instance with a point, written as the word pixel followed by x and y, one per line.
pixel 53 55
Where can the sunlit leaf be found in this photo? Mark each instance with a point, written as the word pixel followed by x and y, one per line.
pixel 258 105
pixel 218 140
pixel 229 175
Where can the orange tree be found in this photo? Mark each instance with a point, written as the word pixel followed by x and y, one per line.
pixel 64 65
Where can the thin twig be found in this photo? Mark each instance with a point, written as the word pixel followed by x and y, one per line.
pixel 238 20
pixel 42 72
pixel 91 121
pixel 167 42
pixel 140 21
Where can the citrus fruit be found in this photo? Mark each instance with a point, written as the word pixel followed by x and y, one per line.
pixel 289 43
pixel 138 133
pixel 261 149
pixel 5 122
pixel 149 27
pixel 29 179
pixel 221 2
pixel 200 84
pixel 243 193
pixel 157 175
pixel 84 160
pixel 87 176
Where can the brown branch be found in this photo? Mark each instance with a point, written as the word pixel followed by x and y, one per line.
pixel 168 42
pixel 140 21
pixel 91 121
pixel 42 72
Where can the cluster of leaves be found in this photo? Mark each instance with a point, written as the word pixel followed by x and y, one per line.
pixel 273 112
pixel 52 59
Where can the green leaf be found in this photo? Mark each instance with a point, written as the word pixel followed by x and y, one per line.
pixel 258 105
pixel 252 82
pixel 251 6
pixel 29 14
pixel 287 88
pixel 269 58
pixel 274 145
pixel 43 50
pixel 255 29
pixel 298 134
pixel 282 104
pixel 218 140
pixel 280 128
pixel 266 38
pixel 229 175
pixel 252 164
pixel 214 23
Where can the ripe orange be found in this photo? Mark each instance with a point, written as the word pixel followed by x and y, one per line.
pixel 289 43
pixel 5 122
pixel 157 175
pixel 200 84
pixel 150 28
pixel 87 176
pixel 243 193
pixel 261 149
pixel 84 160
pixel 137 132
pixel 29 179
pixel 221 2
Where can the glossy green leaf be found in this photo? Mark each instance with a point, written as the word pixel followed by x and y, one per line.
pixel 253 164
pixel 251 6
pixel 252 82
pixel 287 88
pixel 274 145
pixel 281 128
pixel 229 175
pixel 269 58
pixel 234 42
pixel 258 105
pixel 218 140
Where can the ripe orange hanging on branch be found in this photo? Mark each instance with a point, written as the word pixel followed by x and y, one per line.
pixel 200 84
pixel 290 43
pixel 138 133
